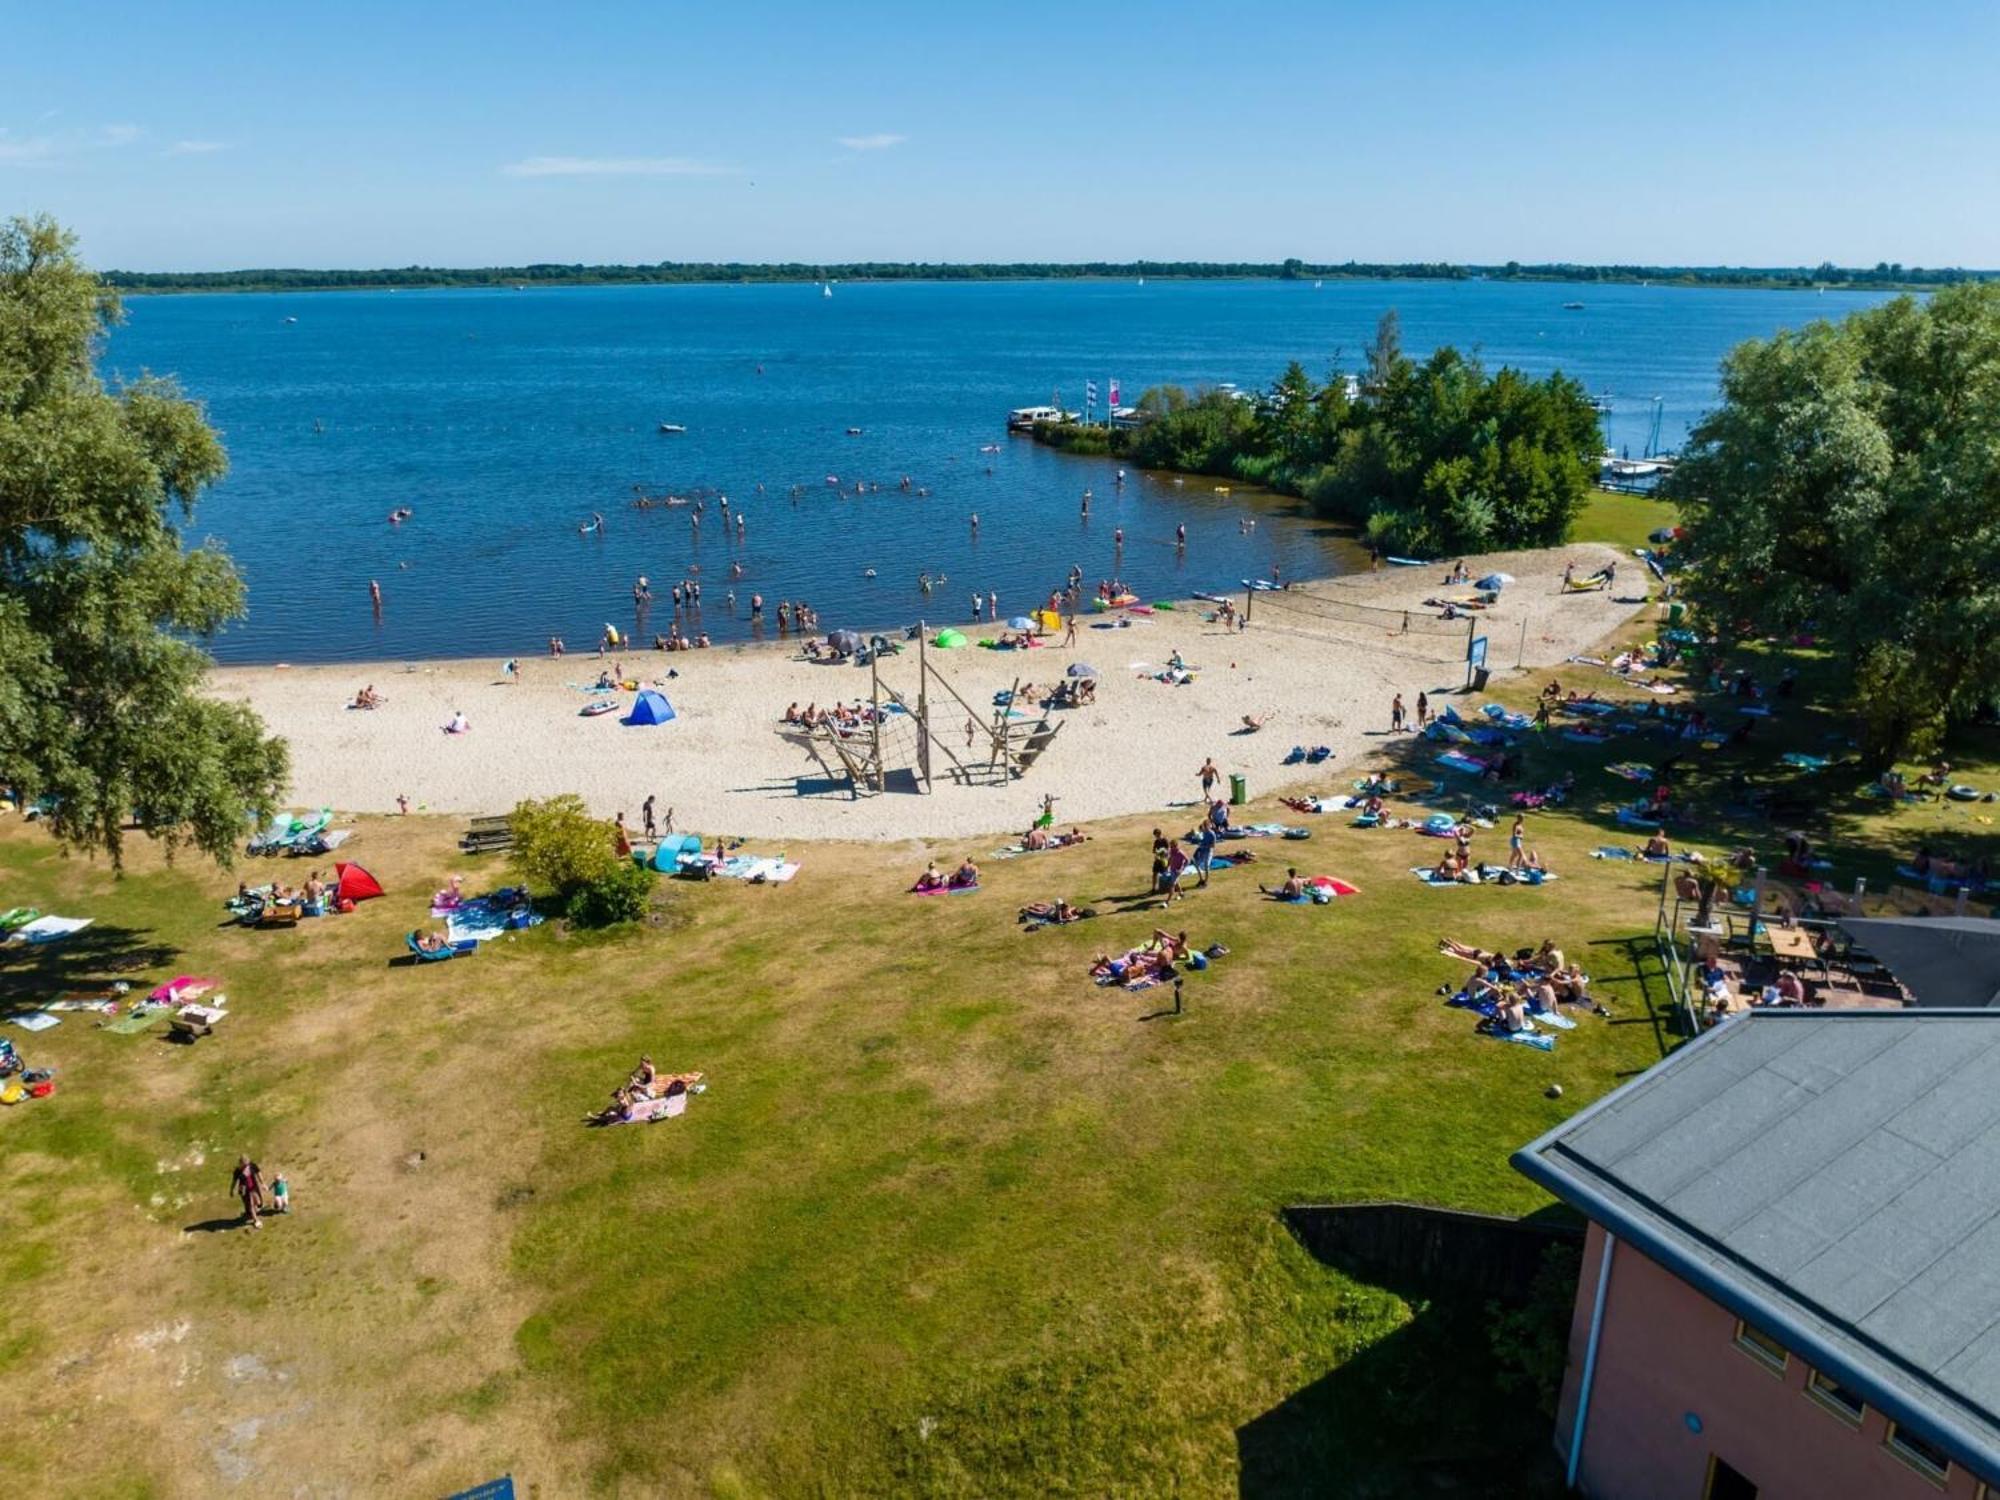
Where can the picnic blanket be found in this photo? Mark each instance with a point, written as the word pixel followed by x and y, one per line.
pixel 140 1019
pixel 36 1020
pixel 1458 760
pixel 481 919
pixel 1631 770
pixel 49 929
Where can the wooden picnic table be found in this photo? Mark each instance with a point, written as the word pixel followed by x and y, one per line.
pixel 1792 943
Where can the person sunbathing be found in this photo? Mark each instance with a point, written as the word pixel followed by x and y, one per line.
pixel 431 942
pixel 1035 839
pixel 643 1076
pixel 1058 912
pixel 791 715
pixel 1067 840
pixel 965 876
pixel 1450 867
pixel 368 698
pixel 1254 722
pixel 931 880
pixel 615 1113
pixel 1303 804
pixel 1478 957
pixel 1657 847
pixel 1293 887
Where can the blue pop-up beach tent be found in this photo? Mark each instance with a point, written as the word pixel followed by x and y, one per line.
pixel 650 708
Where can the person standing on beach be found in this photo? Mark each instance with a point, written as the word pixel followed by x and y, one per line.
pixel 1209 776
pixel 971 731
pixel 1396 715
pixel 646 816
pixel 1423 710
pixel 1069 634
pixel 247 1183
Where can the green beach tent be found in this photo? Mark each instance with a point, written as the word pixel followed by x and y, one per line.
pixel 949 640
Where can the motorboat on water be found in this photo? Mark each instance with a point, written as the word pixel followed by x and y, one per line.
pixel 1572 307
pixel 672 427
pixel 1024 418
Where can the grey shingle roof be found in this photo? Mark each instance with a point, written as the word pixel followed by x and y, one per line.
pixel 1834 1178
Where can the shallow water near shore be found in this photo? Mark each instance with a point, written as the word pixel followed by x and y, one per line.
pixel 503 420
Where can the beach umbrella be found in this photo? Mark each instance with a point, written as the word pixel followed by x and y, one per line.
pixel 1020 622
pixel 1082 669
pixel 845 640
pixel 1495 580
pixel 949 640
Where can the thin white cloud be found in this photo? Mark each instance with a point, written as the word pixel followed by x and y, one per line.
pixel 119 135
pixel 196 148
pixel 613 166
pixel 25 150
pixel 881 141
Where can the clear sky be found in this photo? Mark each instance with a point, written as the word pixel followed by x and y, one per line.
pixel 192 136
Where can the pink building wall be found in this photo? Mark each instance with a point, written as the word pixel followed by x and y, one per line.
pixel 1667 1351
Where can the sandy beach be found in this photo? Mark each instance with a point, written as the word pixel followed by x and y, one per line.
pixel 723 768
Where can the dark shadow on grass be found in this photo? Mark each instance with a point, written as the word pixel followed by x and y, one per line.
pixel 1411 1413
pixel 32 974
pixel 214 1226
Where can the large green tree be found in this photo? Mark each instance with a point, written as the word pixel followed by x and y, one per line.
pixel 1848 487
pixel 101 708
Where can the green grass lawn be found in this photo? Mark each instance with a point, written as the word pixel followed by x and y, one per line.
pixel 1621 520
pixel 949 1221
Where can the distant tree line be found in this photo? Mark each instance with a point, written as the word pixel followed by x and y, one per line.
pixel 1429 458
pixel 1884 274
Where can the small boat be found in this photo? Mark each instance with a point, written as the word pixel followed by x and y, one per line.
pixel 1262 586
pixel 854 432
pixel 1601 404
pixel 291 320
pixel 672 427
pixel 592 710
pixel 1572 307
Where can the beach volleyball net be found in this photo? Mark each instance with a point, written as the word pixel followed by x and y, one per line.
pixel 1411 632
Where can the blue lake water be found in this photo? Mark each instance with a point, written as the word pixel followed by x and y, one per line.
pixel 504 419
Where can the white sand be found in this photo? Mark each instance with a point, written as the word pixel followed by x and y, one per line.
pixel 722 767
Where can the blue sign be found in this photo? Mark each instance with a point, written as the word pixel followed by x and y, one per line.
pixel 1475 654
pixel 494 1489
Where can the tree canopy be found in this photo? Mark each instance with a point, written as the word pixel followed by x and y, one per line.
pixel 1848 488
pixel 1431 458
pixel 101 709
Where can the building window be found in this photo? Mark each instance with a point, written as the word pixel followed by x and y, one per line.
pixel 1835 1397
pixel 1918 1454
pixel 1726 1482
pixel 1760 1346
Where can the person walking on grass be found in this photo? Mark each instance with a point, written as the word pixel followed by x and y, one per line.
pixel 1204 852
pixel 1209 777
pixel 247 1183
pixel 1162 848
pixel 1396 715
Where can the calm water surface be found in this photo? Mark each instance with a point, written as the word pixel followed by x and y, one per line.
pixel 504 419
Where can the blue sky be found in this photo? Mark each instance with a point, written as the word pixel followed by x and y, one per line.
pixel 209 136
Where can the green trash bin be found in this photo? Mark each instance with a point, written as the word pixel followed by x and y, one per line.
pixel 1674 612
pixel 1239 790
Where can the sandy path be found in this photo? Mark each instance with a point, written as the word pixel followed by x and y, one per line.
pixel 723 769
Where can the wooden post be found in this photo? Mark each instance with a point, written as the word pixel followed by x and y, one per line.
pixel 875 705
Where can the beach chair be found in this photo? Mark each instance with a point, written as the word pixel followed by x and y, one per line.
pixel 429 955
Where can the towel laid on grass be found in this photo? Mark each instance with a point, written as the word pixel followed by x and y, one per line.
pixel 49 929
